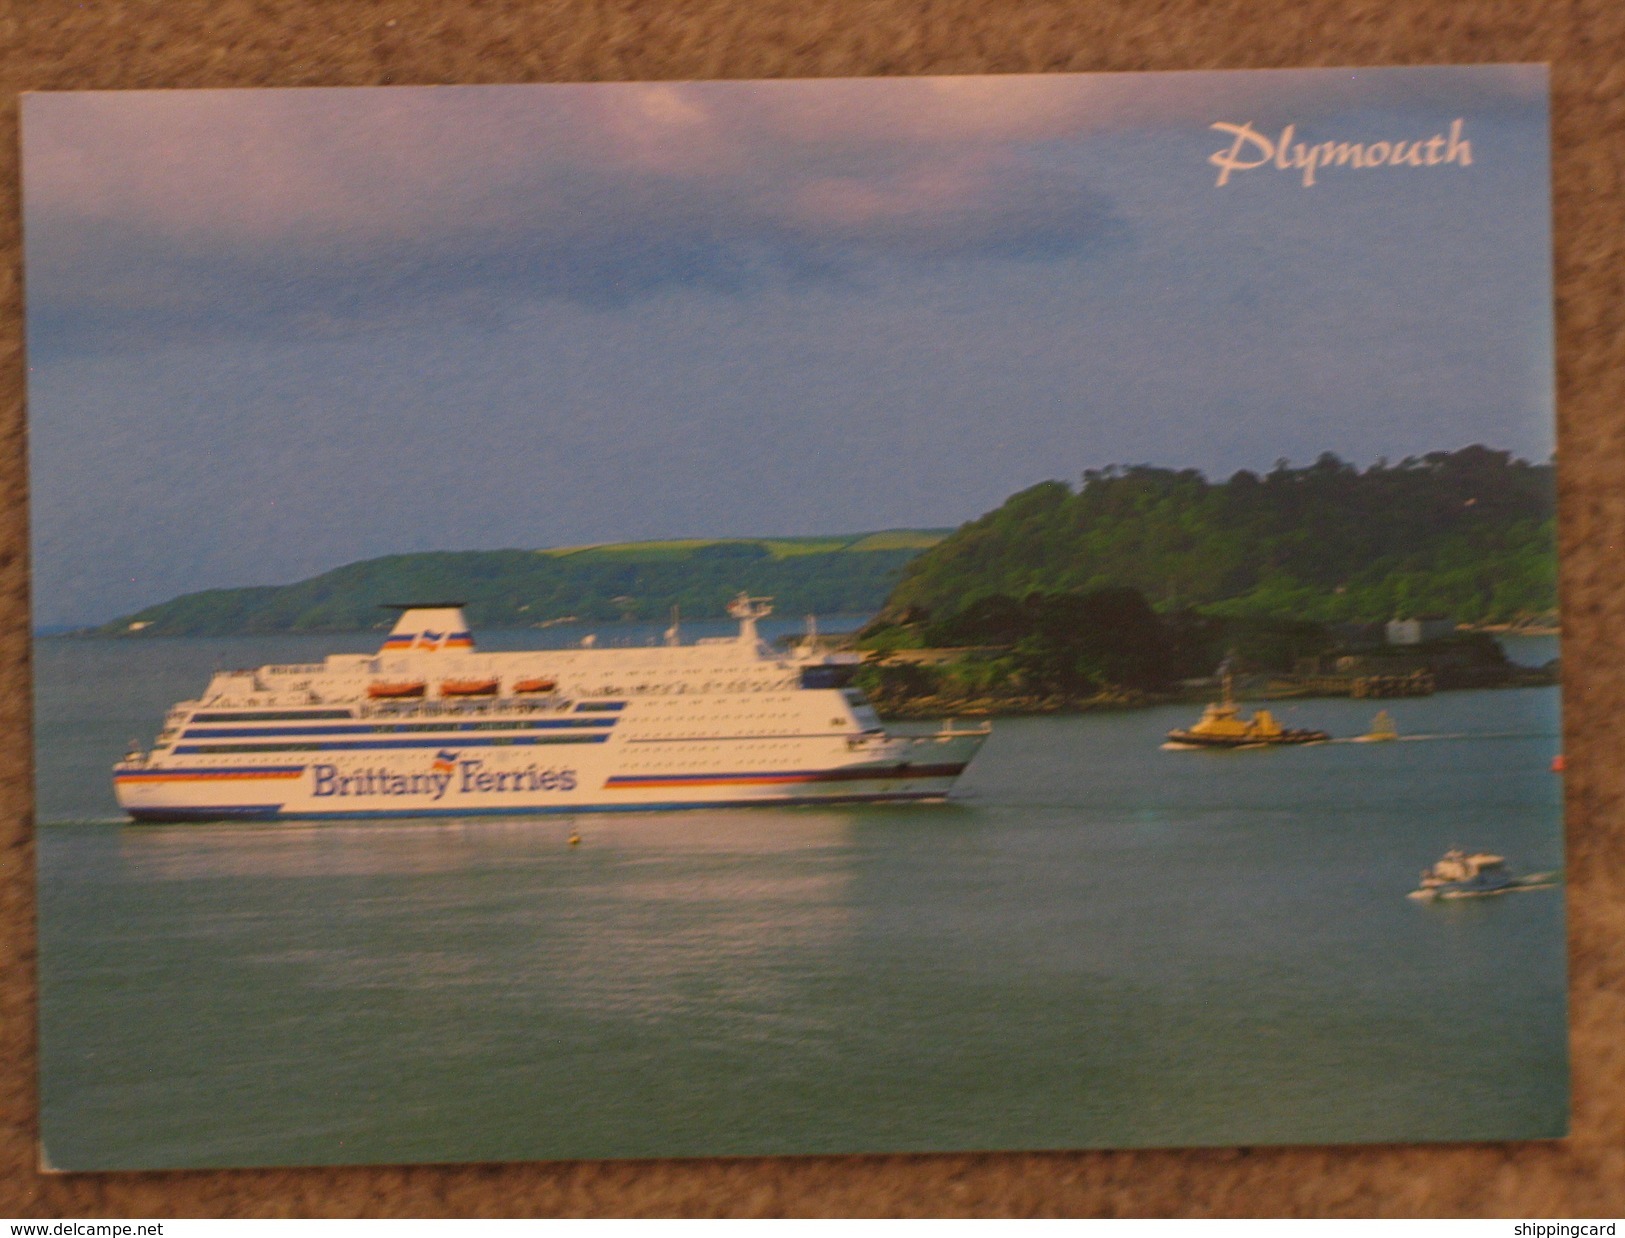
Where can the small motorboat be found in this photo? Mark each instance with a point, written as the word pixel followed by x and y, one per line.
pixel 1382 728
pixel 1463 874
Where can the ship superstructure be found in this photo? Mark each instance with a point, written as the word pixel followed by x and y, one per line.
pixel 432 726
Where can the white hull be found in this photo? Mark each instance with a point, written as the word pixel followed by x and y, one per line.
pixel 509 781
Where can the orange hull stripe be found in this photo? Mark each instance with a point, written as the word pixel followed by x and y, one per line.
pixel 223 774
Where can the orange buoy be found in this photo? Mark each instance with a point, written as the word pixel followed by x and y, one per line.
pixel 1559 764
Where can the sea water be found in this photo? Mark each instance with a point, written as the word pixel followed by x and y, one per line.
pixel 1098 943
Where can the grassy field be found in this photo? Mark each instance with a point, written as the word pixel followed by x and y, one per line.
pixel 777 547
pixel 848 574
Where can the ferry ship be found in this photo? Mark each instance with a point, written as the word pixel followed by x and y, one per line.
pixel 430 726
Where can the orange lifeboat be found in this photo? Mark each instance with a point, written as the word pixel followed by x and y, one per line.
pixel 395 691
pixel 522 686
pixel 468 687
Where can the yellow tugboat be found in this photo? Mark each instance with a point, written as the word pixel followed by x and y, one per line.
pixel 1223 725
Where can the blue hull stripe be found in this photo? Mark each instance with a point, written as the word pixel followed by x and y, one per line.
pixel 339 745
pixel 872 773
pixel 732 739
pixel 154 772
pixel 381 728
pixel 274 812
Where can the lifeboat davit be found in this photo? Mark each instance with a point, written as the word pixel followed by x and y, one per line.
pixel 395 691
pixel 523 686
pixel 468 687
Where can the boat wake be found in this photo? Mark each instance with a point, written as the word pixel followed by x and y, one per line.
pixel 1535 881
pixel 1442 735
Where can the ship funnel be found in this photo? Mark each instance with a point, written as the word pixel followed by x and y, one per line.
pixel 428 627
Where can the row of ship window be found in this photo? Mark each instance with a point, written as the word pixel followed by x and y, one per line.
pixel 684 757
pixel 496 742
pixel 394 728
pixel 793 715
pixel 304 715
pixel 528 741
pixel 512 724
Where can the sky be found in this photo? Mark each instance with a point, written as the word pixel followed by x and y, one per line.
pixel 271 332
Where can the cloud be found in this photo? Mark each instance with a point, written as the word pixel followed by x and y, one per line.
pixel 162 214
pixel 182 211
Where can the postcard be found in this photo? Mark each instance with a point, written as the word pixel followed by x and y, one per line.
pixel 794 617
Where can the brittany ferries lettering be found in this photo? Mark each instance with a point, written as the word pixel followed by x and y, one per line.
pixel 429 726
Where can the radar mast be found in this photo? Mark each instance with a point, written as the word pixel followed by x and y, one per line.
pixel 748 610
